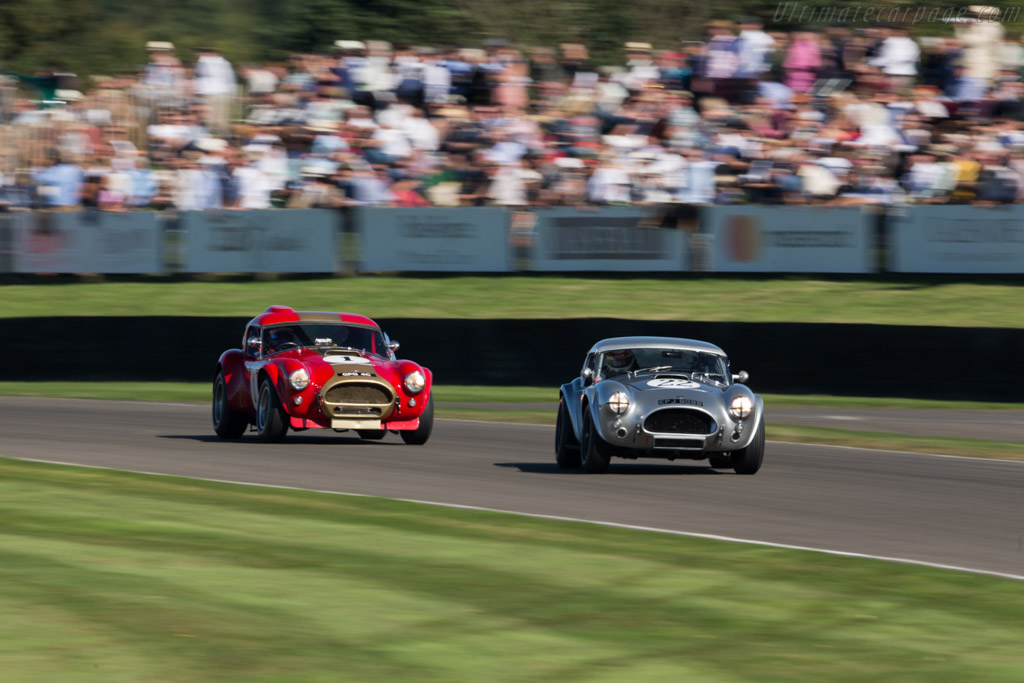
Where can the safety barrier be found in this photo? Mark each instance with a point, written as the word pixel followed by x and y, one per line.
pixel 836 359
pixel 667 239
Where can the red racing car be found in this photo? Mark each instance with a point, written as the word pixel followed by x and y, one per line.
pixel 307 369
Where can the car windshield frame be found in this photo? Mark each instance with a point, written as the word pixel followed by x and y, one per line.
pixel 322 335
pixel 695 364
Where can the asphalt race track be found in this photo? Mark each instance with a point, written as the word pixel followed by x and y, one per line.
pixel 959 512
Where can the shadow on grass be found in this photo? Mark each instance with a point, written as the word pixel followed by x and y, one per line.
pixel 615 469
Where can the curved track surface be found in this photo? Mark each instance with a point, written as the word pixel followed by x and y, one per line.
pixel 951 511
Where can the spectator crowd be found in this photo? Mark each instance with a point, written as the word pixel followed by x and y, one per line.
pixel 831 114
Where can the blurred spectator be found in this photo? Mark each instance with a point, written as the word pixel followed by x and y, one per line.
pixel 842 116
pixel 981 38
pixel 216 86
pixel 60 183
pixel 754 48
pixel 897 57
pixel 803 59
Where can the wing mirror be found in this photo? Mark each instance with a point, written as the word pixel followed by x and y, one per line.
pixel 742 377
pixel 393 345
pixel 587 375
pixel 254 344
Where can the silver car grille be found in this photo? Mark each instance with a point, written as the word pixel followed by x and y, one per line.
pixel 680 421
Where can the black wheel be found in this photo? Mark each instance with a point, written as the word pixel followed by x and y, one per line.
pixel 271 420
pixel 228 423
pixel 419 436
pixel 720 461
pixel 567 448
pixel 371 434
pixel 748 460
pixel 595 453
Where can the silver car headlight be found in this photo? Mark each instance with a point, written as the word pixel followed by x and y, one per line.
pixel 619 402
pixel 299 379
pixel 741 407
pixel 415 381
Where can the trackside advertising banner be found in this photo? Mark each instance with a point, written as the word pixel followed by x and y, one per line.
pixel 606 239
pixel 788 239
pixel 957 239
pixel 261 241
pixel 87 242
pixel 434 239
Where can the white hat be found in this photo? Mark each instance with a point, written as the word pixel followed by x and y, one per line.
pixel 350 45
pixel 322 126
pixel 990 146
pixel 68 95
pixel 159 46
pixel 211 144
pixel 569 162
pixel 984 11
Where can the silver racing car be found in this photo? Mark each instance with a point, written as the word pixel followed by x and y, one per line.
pixel 659 397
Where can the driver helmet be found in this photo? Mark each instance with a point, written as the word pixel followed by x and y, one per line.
pixel 280 335
pixel 619 361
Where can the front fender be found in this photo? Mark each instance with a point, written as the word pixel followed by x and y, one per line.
pixel 749 424
pixel 272 371
pixel 232 364
pixel 414 412
pixel 572 396
pixel 601 415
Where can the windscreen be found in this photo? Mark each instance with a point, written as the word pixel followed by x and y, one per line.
pixel 279 338
pixel 708 365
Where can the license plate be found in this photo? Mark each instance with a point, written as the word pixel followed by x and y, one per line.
pixel 355 423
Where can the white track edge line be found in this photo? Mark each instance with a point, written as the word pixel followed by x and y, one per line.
pixel 559 518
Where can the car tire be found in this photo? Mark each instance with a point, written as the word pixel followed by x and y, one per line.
pixel 419 436
pixel 271 419
pixel 595 453
pixel 372 434
pixel 748 460
pixel 567 448
pixel 227 422
pixel 720 462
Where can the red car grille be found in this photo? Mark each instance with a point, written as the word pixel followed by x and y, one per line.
pixel 358 393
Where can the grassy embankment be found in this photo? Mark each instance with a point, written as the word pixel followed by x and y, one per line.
pixel 118 577
pixel 883 301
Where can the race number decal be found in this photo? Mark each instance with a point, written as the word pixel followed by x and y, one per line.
pixel 672 383
pixel 346 359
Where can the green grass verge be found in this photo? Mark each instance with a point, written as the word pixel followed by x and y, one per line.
pixel 892 300
pixel 113 577
pixel 974 448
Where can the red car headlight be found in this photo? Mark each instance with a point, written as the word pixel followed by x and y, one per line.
pixel 415 381
pixel 299 379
